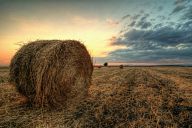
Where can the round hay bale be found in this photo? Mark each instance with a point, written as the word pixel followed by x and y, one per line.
pixel 52 72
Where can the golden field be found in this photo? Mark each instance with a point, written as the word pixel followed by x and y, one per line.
pixel 118 98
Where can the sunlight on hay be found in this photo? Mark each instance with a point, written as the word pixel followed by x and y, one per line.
pixel 51 72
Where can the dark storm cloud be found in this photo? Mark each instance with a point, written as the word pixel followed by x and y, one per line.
pixel 187 14
pixel 152 19
pixel 152 55
pixel 155 37
pixel 138 20
pixel 164 36
pixel 132 24
pixel 149 40
pixel 180 1
pixel 187 24
pixel 143 24
pixel 145 17
pixel 178 8
pixel 157 26
pixel 172 43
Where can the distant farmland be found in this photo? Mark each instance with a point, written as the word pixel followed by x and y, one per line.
pixel 118 98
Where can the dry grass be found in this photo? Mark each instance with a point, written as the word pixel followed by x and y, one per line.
pixel 4 74
pixel 129 97
pixel 52 72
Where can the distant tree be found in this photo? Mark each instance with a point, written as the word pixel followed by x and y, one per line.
pixel 105 64
pixel 121 66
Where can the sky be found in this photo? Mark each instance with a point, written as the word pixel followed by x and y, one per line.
pixel 114 31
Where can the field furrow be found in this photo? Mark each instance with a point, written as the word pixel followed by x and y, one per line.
pixel 143 98
pixel 184 84
pixel 118 98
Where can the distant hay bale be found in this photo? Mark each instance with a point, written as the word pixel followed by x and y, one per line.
pixel 52 72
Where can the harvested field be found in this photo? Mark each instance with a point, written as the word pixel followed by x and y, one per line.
pixel 4 74
pixel 118 98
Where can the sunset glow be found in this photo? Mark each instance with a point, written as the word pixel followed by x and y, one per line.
pixel 94 34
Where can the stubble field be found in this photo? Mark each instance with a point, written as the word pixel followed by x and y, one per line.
pixel 118 98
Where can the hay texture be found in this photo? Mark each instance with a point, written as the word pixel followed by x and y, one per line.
pixel 52 72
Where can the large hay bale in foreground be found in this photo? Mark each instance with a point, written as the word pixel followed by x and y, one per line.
pixel 52 72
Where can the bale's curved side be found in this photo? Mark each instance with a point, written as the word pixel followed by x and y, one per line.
pixel 52 72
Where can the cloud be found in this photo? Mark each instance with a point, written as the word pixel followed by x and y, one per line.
pixel 180 2
pixel 113 38
pixel 132 24
pixel 156 38
pixel 143 24
pixel 112 22
pixel 125 17
pixel 145 16
pixel 142 11
pixel 187 14
pixel 171 54
pixel 160 8
pixel 163 36
pixel 135 17
pixel 157 26
pixel 178 9
pixel 152 19
pixel 138 20
pixel 157 44
pixel 162 17
pixel 187 24
pixel 184 6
